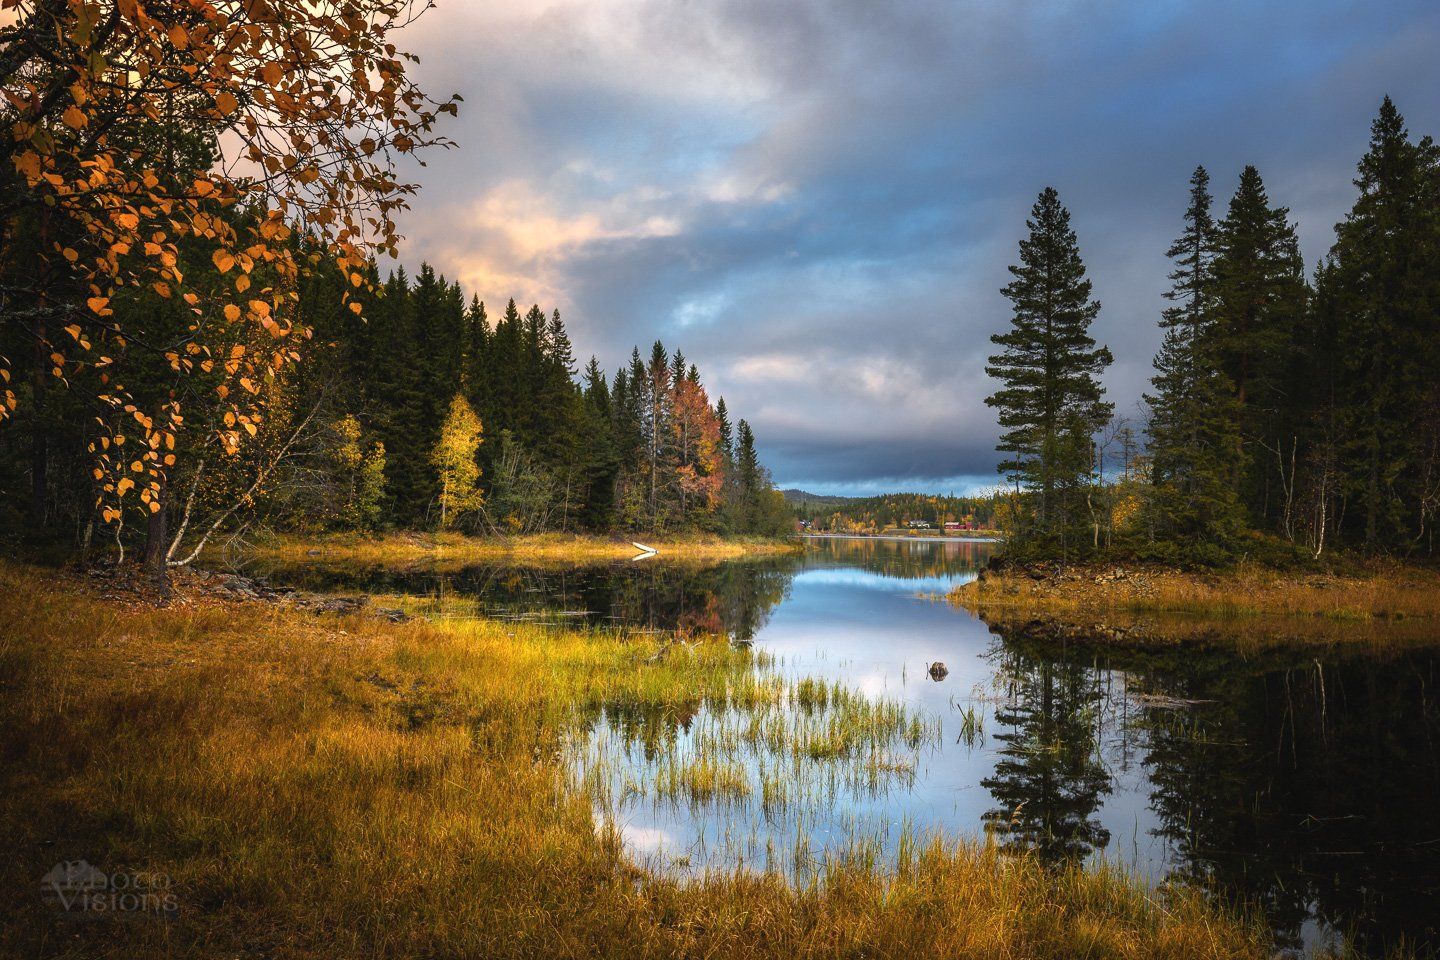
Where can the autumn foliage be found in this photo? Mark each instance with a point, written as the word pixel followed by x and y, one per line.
pixel 309 106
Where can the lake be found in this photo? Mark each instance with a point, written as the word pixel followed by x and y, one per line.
pixel 1306 781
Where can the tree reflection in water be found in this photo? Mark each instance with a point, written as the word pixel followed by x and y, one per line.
pixel 1308 787
pixel 1049 780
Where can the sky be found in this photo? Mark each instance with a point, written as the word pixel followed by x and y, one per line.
pixel 817 201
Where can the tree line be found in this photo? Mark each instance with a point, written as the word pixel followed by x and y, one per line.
pixel 890 510
pixel 1285 409
pixel 420 413
pixel 487 424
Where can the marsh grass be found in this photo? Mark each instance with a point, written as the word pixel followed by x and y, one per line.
pixel 320 786
pixel 791 745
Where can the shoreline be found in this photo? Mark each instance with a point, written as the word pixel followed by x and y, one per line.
pixel 1145 606
pixel 401 547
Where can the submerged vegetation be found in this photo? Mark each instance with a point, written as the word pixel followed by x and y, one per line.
pixel 317 785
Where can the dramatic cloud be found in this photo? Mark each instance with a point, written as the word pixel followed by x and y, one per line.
pixel 817 201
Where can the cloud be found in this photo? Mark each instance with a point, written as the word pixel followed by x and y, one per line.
pixel 817 200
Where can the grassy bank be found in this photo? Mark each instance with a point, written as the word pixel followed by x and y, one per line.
pixel 1382 592
pixel 457 547
pixel 322 786
pixel 1379 603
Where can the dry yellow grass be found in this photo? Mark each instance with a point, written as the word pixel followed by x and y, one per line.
pixel 459 548
pixel 321 787
pixel 1387 592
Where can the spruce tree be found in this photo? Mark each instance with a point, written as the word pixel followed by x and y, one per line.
pixel 1194 443
pixel 658 389
pixel 1260 294
pixel 1386 280
pixel 749 479
pixel 1050 405
pixel 727 434
pixel 477 336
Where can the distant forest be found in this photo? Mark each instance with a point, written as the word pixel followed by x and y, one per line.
pixel 891 510
pixel 1288 414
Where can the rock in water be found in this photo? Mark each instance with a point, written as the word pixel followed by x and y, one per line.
pixel 938 671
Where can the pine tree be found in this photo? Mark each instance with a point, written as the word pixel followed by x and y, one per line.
pixel 657 378
pixel 1050 405
pixel 1194 442
pixel 1260 295
pixel 727 436
pixel 748 478
pixel 561 354
pixel 602 449
pixel 1386 283
pixel 477 336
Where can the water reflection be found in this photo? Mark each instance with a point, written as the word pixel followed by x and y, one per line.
pixel 1310 787
pixel 1049 779
pixel 1307 783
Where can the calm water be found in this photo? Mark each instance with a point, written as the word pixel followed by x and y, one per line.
pixel 1308 784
